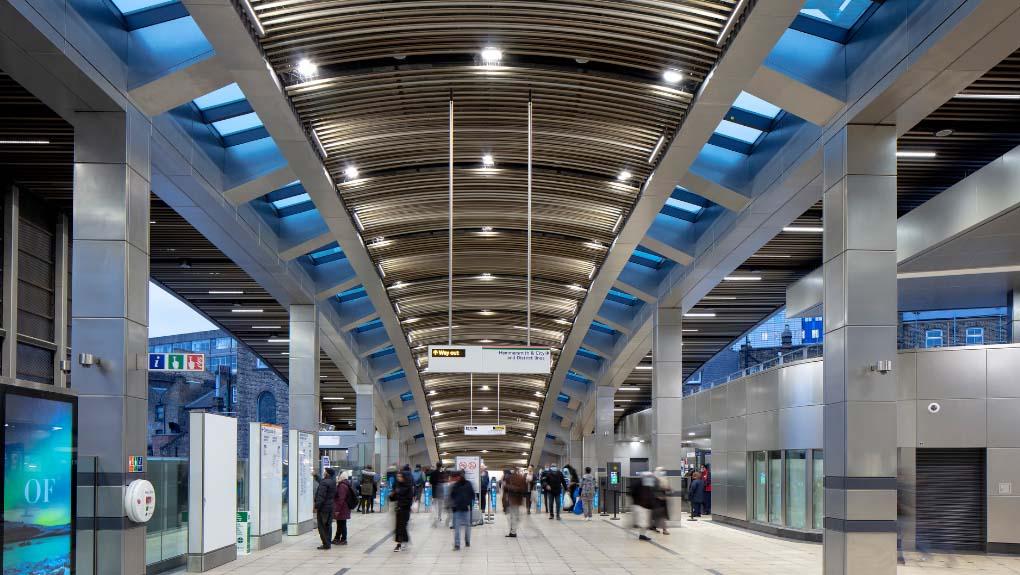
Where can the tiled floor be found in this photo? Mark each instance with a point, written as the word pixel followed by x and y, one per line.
pixel 547 547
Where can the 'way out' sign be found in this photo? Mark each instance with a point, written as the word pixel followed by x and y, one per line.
pixel 481 359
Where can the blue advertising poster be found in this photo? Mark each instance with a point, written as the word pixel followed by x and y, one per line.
pixel 38 485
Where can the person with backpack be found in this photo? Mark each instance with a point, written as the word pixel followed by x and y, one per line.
pixel 346 499
pixel 418 478
pixel 369 485
pixel 587 493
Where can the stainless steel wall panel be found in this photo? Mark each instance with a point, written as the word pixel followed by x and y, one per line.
pixel 736 398
pixel 906 375
pixel 800 384
pixel 720 470
pixel 737 473
pixel 1004 467
pixel 718 399
pixel 719 436
pixel 801 427
pixel 1003 515
pixel 689 410
pixel 957 424
pixel 762 392
pixel 704 403
pixel 763 431
pixel 1003 367
pixel 906 423
pixel 1003 422
pixel 1004 509
pixel 951 373
pixel 736 434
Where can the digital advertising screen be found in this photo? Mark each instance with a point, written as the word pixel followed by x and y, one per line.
pixel 39 455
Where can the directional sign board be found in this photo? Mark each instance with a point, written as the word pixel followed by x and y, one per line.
pixel 488 359
pixel 176 362
pixel 484 430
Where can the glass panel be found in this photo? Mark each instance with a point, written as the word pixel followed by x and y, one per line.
pixel 756 105
pixel 237 124
pixel 291 201
pixel 796 488
pixel 818 488
pixel 776 487
pixel 761 475
pixel 842 13
pixel 166 534
pixel 242 484
pixel 738 131
pixel 685 206
pixel 933 338
pixel 129 6
pixel 224 95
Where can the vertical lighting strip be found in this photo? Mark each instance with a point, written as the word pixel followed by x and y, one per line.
pixel 529 228
pixel 449 295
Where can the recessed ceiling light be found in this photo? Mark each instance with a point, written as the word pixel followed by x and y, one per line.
pixel 486 312
pixel 524 453
pixel 332 399
pixel 492 55
pixel 225 292
pixel 532 414
pixel 486 228
pixel 278 340
pixel 488 161
pixel 672 76
pixel 617 409
pixel 486 276
pixel 485 341
pixel 351 172
pixel 433 392
pixel 804 229
pixel 538 394
pixel 691 433
pixel 742 278
pixel 437 413
pixel 266 327
pixel 699 314
pixel 245 310
pixel 689 330
pixel 306 68
pixel 644 367
pixel 915 154
pixel 988 96
pixel 655 150
pixel 24 142
pixel 624 176
pixel 943 133
pixel 485 408
pixel 485 451
pixel 630 388
pixel 485 388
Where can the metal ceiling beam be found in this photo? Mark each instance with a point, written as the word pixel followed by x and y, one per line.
pixel 180 86
pixel 797 97
pixel 254 189
pixel 301 234
pixel 233 42
pixel 725 197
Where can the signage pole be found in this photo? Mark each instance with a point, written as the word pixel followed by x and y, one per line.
pixel 529 222
pixel 449 295
pixel 497 399
pixel 471 398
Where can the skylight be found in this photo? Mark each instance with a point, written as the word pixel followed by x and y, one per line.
pixel 237 124
pixel 842 13
pixel 657 259
pixel 738 132
pixel 756 105
pixel 224 95
pixel 129 6
pixel 326 252
pixel 291 201
pixel 685 206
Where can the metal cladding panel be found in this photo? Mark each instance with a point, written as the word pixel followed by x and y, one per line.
pixel 763 392
pixel 718 399
pixel 804 297
pixel 736 465
pixel 800 385
pixel 801 427
pixel 704 407
pixel 1003 367
pixel 906 375
pixel 1003 510
pixel 736 433
pixel 736 398
pixel 958 373
pixel 1004 423
pixel 958 423
pixel 763 431
pixel 945 522
pixel 689 409
pixel 720 436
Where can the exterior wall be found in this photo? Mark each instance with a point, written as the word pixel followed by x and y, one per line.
pixel 978 397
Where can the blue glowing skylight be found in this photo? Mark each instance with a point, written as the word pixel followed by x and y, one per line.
pixel 738 132
pixel 756 105
pixel 129 6
pixel 584 352
pixel 224 95
pixel 326 252
pixel 351 294
pixel 685 206
pixel 842 13
pixel 237 124
pixel 292 201
pixel 649 256
pixel 622 295
pixel 406 396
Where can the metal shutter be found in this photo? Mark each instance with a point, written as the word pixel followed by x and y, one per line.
pixel 36 286
pixel 951 499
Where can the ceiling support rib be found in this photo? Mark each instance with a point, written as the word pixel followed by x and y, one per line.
pixel 302 233
pixel 725 197
pixel 180 86
pixel 790 94
pixel 259 187
pixel 333 278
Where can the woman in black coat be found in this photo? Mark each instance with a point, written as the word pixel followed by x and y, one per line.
pixel 696 493
pixel 403 497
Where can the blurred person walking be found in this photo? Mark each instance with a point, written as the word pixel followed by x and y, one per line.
pixel 516 490
pixel 529 476
pixel 587 493
pixel 438 479
pixel 345 500
pixel 462 499
pixel 660 512
pixel 403 497
pixel 325 493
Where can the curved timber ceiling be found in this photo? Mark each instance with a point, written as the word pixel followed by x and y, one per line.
pixel 379 102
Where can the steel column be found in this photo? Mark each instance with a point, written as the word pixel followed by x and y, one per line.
pixel 10 285
pixel 859 257
pixel 667 388
pixel 365 423
pixel 110 316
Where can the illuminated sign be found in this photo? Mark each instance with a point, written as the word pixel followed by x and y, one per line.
pixel 484 430
pixel 447 352
pixel 176 362
pixel 489 359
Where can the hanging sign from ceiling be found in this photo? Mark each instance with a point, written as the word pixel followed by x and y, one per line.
pixel 484 430
pixel 483 359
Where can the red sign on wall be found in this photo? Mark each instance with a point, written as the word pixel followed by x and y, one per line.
pixel 195 361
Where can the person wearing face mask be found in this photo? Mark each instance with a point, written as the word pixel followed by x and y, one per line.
pixel 660 510
pixel 553 485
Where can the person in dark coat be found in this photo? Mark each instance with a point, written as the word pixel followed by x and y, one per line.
pixel 696 494
pixel 553 485
pixel 403 497
pixel 325 494
pixel 342 508
pixel 462 499
pixel 573 484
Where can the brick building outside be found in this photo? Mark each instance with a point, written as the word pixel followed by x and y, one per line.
pixel 236 383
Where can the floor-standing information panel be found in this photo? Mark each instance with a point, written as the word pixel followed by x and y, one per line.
pixel 301 490
pixel 39 482
pixel 266 484
pixel 212 491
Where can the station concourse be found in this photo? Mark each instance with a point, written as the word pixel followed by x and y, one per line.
pixel 267 265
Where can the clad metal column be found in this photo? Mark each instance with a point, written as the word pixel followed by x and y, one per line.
pixel 110 318
pixel 365 424
pixel 667 389
pixel 303 368
pixel 859 257
pixel 1014 317
pixel 605 436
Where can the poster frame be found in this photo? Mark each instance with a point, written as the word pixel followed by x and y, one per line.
pixel 5 391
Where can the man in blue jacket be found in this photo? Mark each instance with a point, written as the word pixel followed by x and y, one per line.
pixel 462 499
